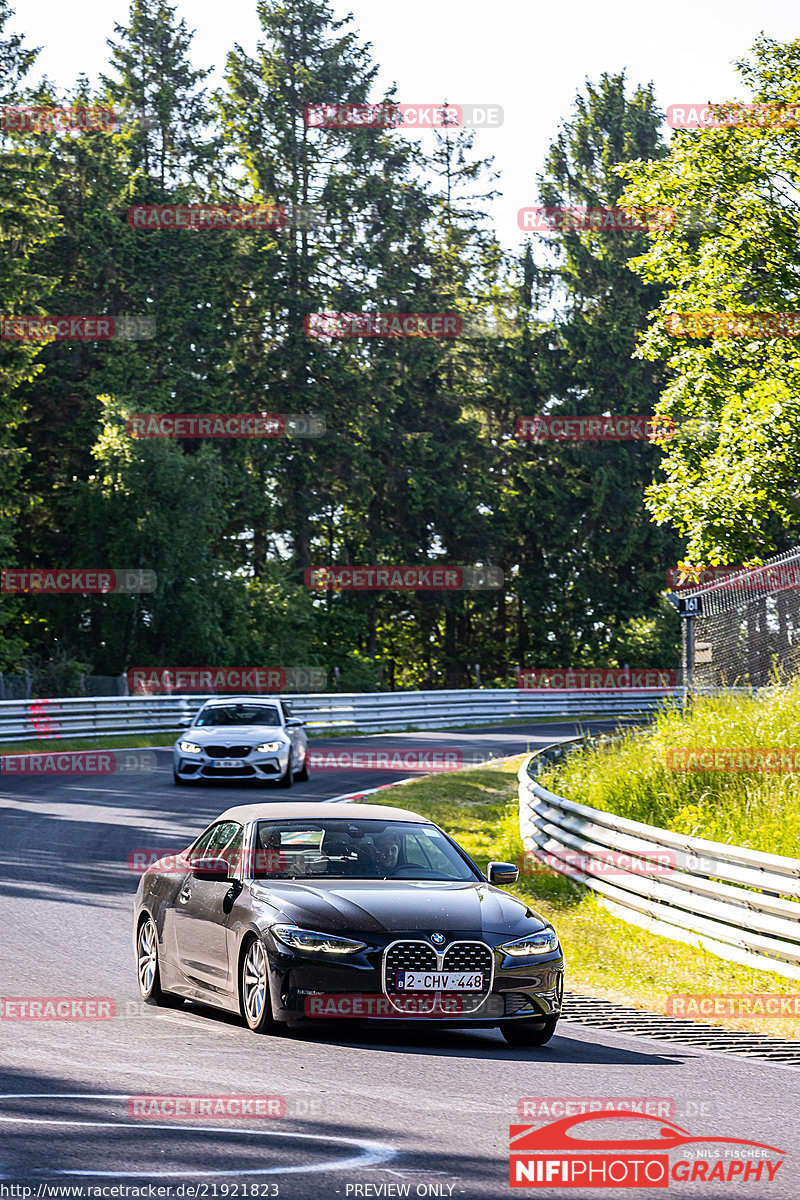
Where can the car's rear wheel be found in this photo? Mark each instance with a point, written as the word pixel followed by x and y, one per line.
pixel 254 998
pixel 528 1033
pixel 147 968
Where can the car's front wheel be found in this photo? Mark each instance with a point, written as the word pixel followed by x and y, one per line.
pixel 147 968
pixel 287 778
pixel 529 1033
pixel 254 998
pixel 178 781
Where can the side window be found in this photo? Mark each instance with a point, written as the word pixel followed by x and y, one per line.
pixel 227 836
pixel 203 842
pixel 223 840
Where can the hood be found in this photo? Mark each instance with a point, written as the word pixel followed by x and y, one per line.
pixel 389 906
pixel 233 734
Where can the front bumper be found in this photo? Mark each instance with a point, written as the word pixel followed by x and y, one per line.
pixel 255 765
pixel 307 987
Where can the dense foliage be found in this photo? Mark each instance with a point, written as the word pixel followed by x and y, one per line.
pixel 419 464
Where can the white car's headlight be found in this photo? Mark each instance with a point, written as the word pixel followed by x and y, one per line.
pixel 190 748
pixel 309 939
pixel 535 943
pixel 269 747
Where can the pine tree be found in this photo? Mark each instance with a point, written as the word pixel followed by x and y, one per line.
pixel 27 223
pixel 591 562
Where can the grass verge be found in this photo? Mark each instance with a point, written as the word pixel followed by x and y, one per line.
pixel 605 956
pixel 632 776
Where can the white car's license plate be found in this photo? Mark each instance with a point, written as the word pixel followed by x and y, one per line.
pixel 227 762
pixel 439 981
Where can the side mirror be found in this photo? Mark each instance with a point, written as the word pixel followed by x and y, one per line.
pixel 184 722
pixel 293 721
pixel 501 874
pixel 210 868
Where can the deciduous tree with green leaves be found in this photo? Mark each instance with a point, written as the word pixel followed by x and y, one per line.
pixel 732 486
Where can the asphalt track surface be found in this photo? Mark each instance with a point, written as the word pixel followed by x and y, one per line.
pixel 378 1111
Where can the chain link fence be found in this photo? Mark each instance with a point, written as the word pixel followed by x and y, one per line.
pixel 746 625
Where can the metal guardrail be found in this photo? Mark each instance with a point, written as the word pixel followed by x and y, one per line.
pixel 370 712
pixel 739 904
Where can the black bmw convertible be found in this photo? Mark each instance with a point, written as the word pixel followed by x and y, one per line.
pixel 293 912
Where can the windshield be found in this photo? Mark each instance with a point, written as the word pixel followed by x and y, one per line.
pixel 357 849
pixel 239 714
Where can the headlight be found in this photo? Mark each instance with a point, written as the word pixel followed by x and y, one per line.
pixel 535 943
pixel 269 747
pixel 190 748
pixel 308 939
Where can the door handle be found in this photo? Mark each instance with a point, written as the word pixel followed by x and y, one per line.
pixel 186 893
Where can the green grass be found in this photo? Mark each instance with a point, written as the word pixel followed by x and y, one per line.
pixel 48 745
pixel 753 809
pixel 606 957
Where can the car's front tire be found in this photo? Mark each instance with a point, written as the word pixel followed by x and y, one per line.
pixel 287 778
pixel 302 775
pixel 529 1033
pixel 255 1003
pixel 147 968
pixel 178 781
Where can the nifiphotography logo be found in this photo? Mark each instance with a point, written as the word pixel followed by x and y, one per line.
pixel 553 1156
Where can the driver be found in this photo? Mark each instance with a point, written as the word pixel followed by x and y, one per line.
pixel 387 851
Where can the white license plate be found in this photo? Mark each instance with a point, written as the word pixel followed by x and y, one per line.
pixel 439 981
pixel 227 762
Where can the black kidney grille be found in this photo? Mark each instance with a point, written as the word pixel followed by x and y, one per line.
pixel 228 751
pixel 416 956
pixel 408 956
pixel 471 956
